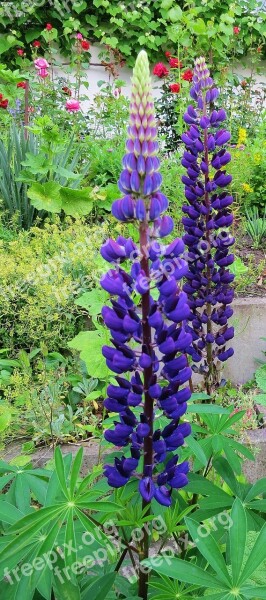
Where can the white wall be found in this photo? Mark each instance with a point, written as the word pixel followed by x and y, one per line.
pixel 97 73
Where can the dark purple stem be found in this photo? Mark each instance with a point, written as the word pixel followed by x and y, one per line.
pixel 148 402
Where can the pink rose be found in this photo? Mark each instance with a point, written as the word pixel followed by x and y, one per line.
pixel 79 36
pixel 41 63
pixel 72 105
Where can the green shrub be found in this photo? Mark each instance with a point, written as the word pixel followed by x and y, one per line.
pixel 43 271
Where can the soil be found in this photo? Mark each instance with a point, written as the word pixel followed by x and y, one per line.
pixel 247 253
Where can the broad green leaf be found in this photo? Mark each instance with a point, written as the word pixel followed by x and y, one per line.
pixel 92 301
pixel 209 548
pixel 9 513
pixel 196 449
pixel 44 514
pixel 70 540
pixel 199 396
pixel 175 14
pixel 256 557
pixel 44 550
pixel 45 196
pixel 207 409
pixel 100 588
pixel 200 485
pixel 237 538
pixel 186 572
pixel 166 4
pixel 258 488
pixel 261 399
pixel 60 471
pixel 107 507
pixel 76 203
pixel 260 377
pixel 257 505
pixel 75 471
pixel 66 590
pixel 232 457
pixel 222 467
pixel 88 524
pixel 89 344
pixel 254 592
pixel 242 449
pixel 5 417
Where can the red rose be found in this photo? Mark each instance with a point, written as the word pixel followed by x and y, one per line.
pixel 36 44
pixel 85 44
pixel 175 63
pixel 187 75
pixel 243 84
pixel 66 90
pixel 4 104
pixel 22 84
pixel 167 54
pixel 236 30
pixel 20 52
pixel 174 88
pixel 49 27
pixel 259 49
pixel 1 96
pixel 160 70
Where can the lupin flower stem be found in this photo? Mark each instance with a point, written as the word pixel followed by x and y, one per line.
pixel 151 322
pixel 206 223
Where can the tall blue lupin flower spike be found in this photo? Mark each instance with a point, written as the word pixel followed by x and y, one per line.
pixel 207 237
pixel 155 322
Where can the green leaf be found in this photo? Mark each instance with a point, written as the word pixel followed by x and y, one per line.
pixel 89 344
pixel 258 488
pixel 66 590
pixel 32 34
pixel 46 196
pixel 212 409
pixel 261 399
pixel 186 572
pixel 92 301
pixel 9 513
pixel 70 540
pixel 60 471
pixel 199 396
pixel 76 203
pixel 209 548
pixel 175 14
pixel 75 471
pixel 222 467
pixel 237 538
pixel 198 26
pixel 256 557
pixel 100 588
pixel 242 449
pixel 5 417
pixel 196 449
pixel 44 514
pixel 98 535
pixel 166 4
pixel 254 592
pixel 107 507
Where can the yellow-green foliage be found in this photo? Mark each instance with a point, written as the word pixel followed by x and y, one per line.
pixel 42 272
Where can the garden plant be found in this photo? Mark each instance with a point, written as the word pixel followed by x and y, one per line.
pixel 168 513
pixel 128 225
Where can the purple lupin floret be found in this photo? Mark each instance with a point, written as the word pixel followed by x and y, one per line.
pixel 206 222
pixel 148 336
